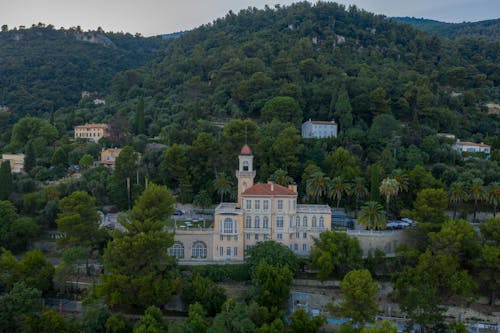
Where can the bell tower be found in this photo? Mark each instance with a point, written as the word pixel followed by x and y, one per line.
pixel 245 172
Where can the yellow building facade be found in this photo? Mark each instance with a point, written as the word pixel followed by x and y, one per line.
pixel 263 211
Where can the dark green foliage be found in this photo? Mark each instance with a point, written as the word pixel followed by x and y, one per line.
pixel 282 108
pixel 94 317
pixel 204 291
pixel 301 323
pixel 273 285
pixel 5 180
pixel 222 273
pixel 272 253
pixel 20 302
pixel 139 118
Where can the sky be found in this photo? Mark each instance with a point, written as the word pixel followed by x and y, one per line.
pixel 153 17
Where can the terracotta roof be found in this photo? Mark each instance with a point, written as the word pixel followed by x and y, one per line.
pixel 320 122
pixel 268 188
pixel 92 126
pixel 246 150
pixel 467 143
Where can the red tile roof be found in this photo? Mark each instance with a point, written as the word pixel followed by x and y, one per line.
pixel 268 189
pixel 246 150
pixel 319 122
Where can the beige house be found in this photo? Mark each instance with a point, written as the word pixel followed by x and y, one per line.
pixel 264 211
pixel 108 157
pixel 16 162
pixel 92 132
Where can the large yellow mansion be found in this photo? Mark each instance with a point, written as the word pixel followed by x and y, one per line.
pixel 264 211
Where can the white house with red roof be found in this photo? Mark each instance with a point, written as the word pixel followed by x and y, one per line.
pixel 263 211
pixel 319 129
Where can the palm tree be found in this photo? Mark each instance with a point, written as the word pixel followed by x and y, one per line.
pixel 476 193
pixel 281 177
pixel 359 190
pixel 316 185
pixel 457 196
pixel 222 185
pixel 372 216
pixel 389 187
pixel 336 188
pixel 494 196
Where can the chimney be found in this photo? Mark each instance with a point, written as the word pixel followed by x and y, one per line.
pixel 293 187
pixel 272 185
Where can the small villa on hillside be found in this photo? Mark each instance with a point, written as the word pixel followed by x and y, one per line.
pixel 108 157
pixel 16 162
pixel 319 129
pixel 92 132
pixel 470 149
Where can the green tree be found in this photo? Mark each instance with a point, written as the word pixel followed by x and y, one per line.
pixel 336 253
pixel 342 163
pixel 94 317
pixel 389 187
pixel 125 171
pixel 222 185
pixel 19 303
pixel 488 270
pixel 379 102
pixel 60 157
pixel 371 216
pixel 457 195
pixel 29 128
pixel 476 193
pixel 337 187
pixel 49 321
pixel 86 161
pixel 359 191
pixel 343 110
pixel 196 320
pixel 151 322
pixel 118 324
pixel 273 285
pixel 493 196
pixel 140 123
pixel 316 185
pixel 359 297
pixel 281 177
pixel 430 205
pixel 301 323
pixel 5 180
pixel 205 292
pixel 30 157
pixel 283 108
pixel 381 327
pixel 271 252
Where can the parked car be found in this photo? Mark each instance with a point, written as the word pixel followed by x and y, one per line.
pixel 179 212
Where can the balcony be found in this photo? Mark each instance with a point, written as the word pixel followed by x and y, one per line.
pixel 257 230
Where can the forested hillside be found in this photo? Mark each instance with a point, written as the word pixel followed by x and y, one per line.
pixel 488 28
pixel 347 64
pixel 43 69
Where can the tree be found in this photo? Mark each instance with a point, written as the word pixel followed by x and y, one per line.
pixel 372 216
pixel 196 320
pixel 140 123
pixel 457 194
pixel 94 317
pixel 389 187
pixel 151 322
pixel 119 129
pixel 48 321
pixel 488 270
pixel 5 180
pixel 29 128
pixel 381 327
pixel 59 158
pixel 205 292
pixel 494 196
pixel 336 253
pixel 343 110
pixel 359 292
pixel 20 302
pixel 273 285
pixel 30 157
pixel 86 161
pixel 20 233
pixel 430 205
pixel 476 193
pixel 301 323
pixel 317 185
pixel 342 163
pixel 118 324
pixel 125 171
pixel 281 177
pixel 359 190
pixel 336 188
pixel 379 102
pixel 283 108
pixel 222 185
pixel 271 252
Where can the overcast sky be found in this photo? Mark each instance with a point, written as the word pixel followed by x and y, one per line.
pixel 152 17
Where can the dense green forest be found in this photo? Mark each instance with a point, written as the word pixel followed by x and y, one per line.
pixel 489 28
pixel 44 69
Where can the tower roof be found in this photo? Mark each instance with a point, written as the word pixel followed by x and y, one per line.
pixel 246 150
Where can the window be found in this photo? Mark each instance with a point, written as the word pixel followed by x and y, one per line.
pixel 248 222
pixel 279 236
pixel 177 250
pixel 266 205
pixel 266 236
pixel 257 222
pixel 291 247
pixel 222 238
pixel 321 222
pixel 265 223
pixel 235 251
pixel 228 226
pixel 297 235
pixel 249 204
pixel 257 204
pixel 279 222
pixel 235 238
pixel 256 237
pixel 228 251
pixel 280 204
pixel 304 221
pixel 314 222
pixel 246 166
pixel 247 236
pixel 297 221
pixel 304 247
pixel 199 250
pixel 296 247
pixel 221 251
pixel 304 235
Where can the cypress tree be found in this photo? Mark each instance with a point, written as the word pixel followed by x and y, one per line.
pixel 30 158
pixel 139 118
pixel 5 180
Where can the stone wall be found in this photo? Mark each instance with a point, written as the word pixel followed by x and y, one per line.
pixel 386 241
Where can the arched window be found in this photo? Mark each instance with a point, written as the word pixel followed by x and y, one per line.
pixel 304 221
pixel 248 222
pixel 314 222
pixel 246 166
pixel 265 222
pixel 228 226
pixel 199 250
pixel 177 250
pixel 257 222
pixel 321 222
pixel 297 221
